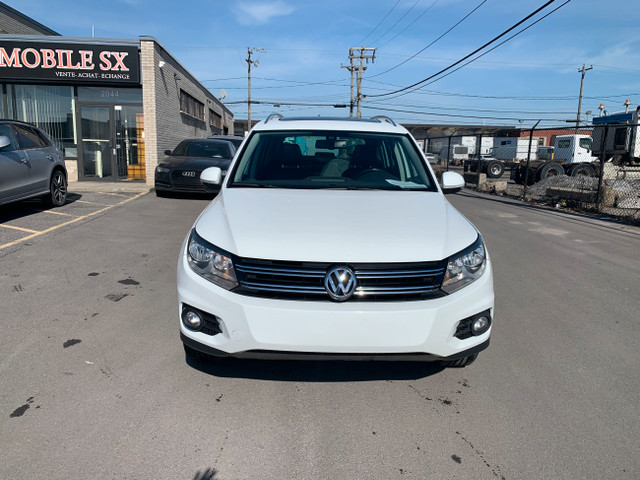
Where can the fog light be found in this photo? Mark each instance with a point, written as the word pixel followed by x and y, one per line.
pixel 191 320
pixel 480 325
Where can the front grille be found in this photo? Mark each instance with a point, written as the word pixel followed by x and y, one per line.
pixel 305 280
pixel 180 180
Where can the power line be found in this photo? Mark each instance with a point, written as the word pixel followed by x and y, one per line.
pixel 394 25
pixel 379 23
pixel 502 97
pixel 430 44
pixel 440 114
pixel 471 54
pixel 278 104
pixel 488 51
pixel 414 21
pixel 469 109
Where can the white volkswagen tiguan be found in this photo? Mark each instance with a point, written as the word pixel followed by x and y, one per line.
pixel 330 238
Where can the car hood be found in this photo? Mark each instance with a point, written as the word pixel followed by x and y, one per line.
pixel 195 163
pixel 335 226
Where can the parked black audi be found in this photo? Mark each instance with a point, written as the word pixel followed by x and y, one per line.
pixel 180 170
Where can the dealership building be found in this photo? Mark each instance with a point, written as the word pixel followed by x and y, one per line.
pixel 113 106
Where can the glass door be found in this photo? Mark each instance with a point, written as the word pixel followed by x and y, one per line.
pixel 129 125
pixel 96 142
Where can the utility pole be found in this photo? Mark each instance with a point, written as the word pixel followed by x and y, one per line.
pixel 364 54
pixel 351 70
pixel 255 63
pixel 583 70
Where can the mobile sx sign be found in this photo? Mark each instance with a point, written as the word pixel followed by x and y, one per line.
pixel 69 63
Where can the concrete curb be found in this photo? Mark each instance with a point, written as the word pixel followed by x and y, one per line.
pixel 108 187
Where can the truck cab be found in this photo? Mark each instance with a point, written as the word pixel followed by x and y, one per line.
pixel 573 149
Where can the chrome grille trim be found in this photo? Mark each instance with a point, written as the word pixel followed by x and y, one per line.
pixel 305 280
pixel 395 290
pixel 397 274
pixel 280 271
pixel 284 288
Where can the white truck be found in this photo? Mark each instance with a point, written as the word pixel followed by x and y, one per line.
pixel 457 154
pixel 514 149
pixel 571 155
pixel 506 152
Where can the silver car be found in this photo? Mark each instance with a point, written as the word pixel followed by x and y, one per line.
pixel 30 165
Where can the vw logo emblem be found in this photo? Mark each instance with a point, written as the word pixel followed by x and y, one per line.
pixel 188 173
pixel 340 283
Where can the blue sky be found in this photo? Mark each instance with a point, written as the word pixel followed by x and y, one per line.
pixel 533 76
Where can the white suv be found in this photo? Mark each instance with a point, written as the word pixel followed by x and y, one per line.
pixel 331 238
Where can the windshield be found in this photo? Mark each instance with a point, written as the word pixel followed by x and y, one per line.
pixel 202 148
pixel 322 159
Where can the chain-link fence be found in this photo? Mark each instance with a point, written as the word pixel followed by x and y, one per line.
pixel 589 169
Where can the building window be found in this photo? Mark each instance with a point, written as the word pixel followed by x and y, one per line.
pixel 50 108
pixel 191 106
pixel 215 122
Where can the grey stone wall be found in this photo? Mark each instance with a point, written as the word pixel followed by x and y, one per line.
pixel 165 126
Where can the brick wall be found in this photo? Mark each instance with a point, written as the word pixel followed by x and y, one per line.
pixel 164 125
pixel 13 22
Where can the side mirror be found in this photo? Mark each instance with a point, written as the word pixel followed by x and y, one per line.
pixel 452 182
pixel 211 178
pixel 4 141
pixel 167 152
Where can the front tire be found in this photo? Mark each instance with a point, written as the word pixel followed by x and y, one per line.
pixel 57 195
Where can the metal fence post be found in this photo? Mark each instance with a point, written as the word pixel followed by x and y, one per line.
pixel 526 172
pixel 478 155
pixel 603 155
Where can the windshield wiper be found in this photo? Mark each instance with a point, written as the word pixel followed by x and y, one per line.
pixel 251 185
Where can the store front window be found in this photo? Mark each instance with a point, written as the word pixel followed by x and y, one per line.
pixel 51 108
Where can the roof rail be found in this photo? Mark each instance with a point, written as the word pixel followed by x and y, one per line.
pixel 272 116
pixel 385 119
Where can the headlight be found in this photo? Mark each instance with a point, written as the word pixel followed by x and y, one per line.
pixel 210 263
pixel 465 267
pixel 161 169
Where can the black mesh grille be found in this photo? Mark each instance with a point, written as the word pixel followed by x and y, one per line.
pixel 464 328
pixel 179 180
pixel 305 280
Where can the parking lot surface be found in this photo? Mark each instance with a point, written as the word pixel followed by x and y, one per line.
pixel 26 220
pixel 95 383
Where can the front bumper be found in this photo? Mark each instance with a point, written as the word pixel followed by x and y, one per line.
pixel 269 328
pixel 174 182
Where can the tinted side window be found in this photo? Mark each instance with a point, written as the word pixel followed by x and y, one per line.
pixel 43 139
pixel 585 143
pixel 181 149
pixel 5 130
pixel 28 138
pixel 620 138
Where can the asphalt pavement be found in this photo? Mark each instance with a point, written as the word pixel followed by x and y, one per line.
pixel 95 383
